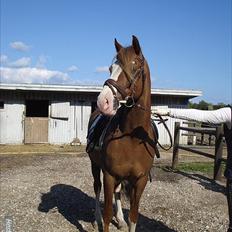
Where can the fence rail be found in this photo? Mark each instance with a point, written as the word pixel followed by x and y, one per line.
pixel 218 152
pixel 209 131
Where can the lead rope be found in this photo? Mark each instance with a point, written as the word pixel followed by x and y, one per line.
pixel 170 137
pixel 167 129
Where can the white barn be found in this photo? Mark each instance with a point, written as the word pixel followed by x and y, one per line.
pixel 59 114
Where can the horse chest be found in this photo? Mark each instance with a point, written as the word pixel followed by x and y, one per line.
pixel 125 156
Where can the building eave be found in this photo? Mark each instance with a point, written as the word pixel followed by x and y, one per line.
pixel 91 89
pixel 177 92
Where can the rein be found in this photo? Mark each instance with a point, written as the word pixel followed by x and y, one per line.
pixel 163 121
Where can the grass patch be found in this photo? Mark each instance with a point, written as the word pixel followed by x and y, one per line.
pixel 198 167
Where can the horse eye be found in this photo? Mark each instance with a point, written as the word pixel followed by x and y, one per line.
pixel 133 65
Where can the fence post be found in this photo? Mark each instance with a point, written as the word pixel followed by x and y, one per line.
pixel 210 139
pixel 202 138
pixel 176 145
pixel 218 153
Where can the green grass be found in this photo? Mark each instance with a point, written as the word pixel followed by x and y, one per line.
pixel 197 167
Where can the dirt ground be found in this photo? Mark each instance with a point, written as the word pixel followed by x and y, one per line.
pixel 51 190
pixel 39 149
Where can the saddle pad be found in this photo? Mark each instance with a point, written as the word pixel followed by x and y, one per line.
pixel 96 131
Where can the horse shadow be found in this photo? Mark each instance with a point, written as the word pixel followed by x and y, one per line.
pixel 76 206
pixel 71 202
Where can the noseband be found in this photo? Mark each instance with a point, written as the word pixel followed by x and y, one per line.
pixel 127 93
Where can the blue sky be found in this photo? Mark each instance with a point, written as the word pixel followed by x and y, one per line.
pixel 187 42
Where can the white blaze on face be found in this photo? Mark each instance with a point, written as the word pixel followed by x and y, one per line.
pixel 105 101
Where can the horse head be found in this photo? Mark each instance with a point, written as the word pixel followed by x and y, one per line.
pixel 126 82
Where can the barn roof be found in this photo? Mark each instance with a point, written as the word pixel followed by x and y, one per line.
pixel 92 89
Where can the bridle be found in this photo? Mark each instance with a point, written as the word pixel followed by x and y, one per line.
pixel 127 94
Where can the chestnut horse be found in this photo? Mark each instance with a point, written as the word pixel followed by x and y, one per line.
pixel 128 149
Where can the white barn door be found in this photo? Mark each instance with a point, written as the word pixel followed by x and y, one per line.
pixel 81 114
pixel 59 123
pixel 11 122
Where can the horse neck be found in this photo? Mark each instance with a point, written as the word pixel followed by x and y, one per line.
pixel 140 115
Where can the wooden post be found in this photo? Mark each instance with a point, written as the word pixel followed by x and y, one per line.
pixel 176 145
pixel 210 139
pixel 218 153
pixel 202 138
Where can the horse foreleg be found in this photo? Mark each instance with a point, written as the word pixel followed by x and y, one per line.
pixel 118 204
pixel 109 183
pixel 96 171
pixel 135 196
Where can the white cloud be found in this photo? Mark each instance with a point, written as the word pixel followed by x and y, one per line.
pixel 3 59
pixel 20 46
pixel 102 69
pixel 41 61
pixel 20 63
pixel 32 75
pixel 72 68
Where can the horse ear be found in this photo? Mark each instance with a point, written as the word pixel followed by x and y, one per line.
pixel 135 44
pixel 118 46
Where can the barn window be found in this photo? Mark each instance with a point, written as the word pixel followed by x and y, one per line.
pixel 1 105
pixel 37 108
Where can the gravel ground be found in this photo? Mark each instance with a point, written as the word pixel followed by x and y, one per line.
pixel 50 192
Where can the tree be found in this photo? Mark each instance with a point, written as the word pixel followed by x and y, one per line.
pixel 203 105
pixel 219 105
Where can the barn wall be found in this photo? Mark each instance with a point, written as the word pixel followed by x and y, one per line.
pixel 68 115
pixel 11 121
